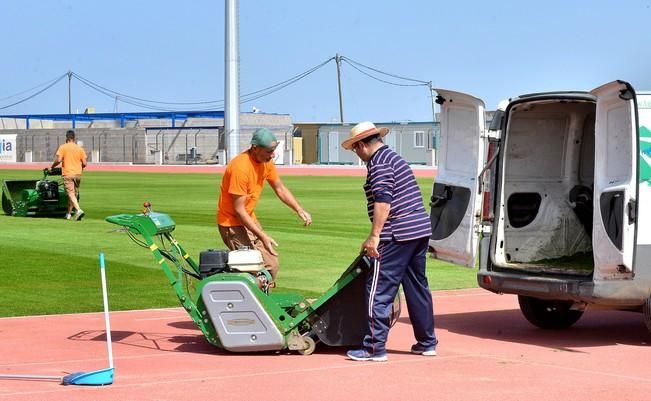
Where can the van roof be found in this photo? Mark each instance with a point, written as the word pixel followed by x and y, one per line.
pixel 568 95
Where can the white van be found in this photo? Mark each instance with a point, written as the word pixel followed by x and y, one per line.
pixel 555 197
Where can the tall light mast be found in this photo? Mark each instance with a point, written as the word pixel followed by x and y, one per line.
pixel 232 79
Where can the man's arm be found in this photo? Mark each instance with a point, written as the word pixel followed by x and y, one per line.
pixel 239 202
pixel 382 182
pixel 84 158
pixel 57 160
pixel 285 195
pixel 380 215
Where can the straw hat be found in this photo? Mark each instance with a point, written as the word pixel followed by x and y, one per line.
pixel 361 131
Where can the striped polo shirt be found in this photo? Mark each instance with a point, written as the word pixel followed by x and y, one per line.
pixel 390 180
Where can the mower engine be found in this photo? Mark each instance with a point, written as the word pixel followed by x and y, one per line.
pixel 48 191
pixel 214 261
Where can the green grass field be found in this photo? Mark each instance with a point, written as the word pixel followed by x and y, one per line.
pixel 50 265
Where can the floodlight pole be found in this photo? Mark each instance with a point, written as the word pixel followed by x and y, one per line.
pixel 232 80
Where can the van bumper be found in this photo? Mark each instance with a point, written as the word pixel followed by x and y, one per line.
pixel 611 294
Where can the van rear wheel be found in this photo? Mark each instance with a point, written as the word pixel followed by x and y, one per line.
pixel 647 313
pixel 548 314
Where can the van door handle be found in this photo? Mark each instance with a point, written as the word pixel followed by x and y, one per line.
pixel 439 200
pixel 632 211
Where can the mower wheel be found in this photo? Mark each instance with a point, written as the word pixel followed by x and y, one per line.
pixel 310 346
pixel 7 207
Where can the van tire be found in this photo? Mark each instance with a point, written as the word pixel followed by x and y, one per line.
pixel 647 313
pixel 548 314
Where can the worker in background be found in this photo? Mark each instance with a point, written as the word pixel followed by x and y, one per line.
pixel 397 245
pixel 72 158
pixel 241 188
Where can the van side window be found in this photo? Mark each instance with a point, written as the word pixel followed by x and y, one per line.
pixel 522 208
pixel 448 206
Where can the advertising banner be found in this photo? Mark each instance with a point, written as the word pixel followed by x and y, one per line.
pixel 8 148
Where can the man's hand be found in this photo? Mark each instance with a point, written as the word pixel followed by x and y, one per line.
pixel 370 246
pixel 305 216
pixel 269 244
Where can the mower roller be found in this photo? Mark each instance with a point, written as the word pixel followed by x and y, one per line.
pixel 228 295
pixel 35 198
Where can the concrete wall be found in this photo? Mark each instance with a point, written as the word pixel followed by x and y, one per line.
pixel 146 141
pixel 101 145
pixel 175 146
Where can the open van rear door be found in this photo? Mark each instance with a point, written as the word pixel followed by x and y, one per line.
pixel 615 192
pixel 455 203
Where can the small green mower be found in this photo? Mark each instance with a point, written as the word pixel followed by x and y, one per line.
pixel 229 298
pixel 35 198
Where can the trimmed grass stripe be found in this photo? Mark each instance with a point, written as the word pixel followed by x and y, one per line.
pixel 50 265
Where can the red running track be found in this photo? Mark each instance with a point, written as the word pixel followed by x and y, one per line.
pixel 318 170
pixel 487 351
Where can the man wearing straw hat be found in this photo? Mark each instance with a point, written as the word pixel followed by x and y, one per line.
pixel 241 187
pixel 397 245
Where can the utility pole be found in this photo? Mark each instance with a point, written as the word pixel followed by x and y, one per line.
pixel 69 92
pixel 435 139
pixel 431 93
pixel 341 103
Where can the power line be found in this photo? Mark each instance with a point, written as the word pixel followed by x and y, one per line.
pixel 211 104
pixel 124 96
pixel 379 79
pixel 267 91
pixel 30 89
pixel 356 64
pixel 359 67
pixel 248 97
pixel 35 94
pixel 123 99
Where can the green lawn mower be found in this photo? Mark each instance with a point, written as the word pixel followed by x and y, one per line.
pixel 228 295
pixel 35 198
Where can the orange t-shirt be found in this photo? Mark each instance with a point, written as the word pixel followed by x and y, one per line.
pixel 71 156
pixel 243 176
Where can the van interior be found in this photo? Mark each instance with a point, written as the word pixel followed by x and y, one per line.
pixel 545 203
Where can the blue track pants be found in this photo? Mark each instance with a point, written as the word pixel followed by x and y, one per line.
pixel 399 263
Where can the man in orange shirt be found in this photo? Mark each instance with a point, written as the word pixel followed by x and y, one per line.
pixel 73 160
pixel 241 187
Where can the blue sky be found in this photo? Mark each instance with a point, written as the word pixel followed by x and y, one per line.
pixel 174 51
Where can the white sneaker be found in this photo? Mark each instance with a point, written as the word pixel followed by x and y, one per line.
pixel 364 355
pixel 426 351
pixel 67 216
pixel 79 215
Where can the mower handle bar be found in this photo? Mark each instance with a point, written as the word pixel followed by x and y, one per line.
pixel 51 171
